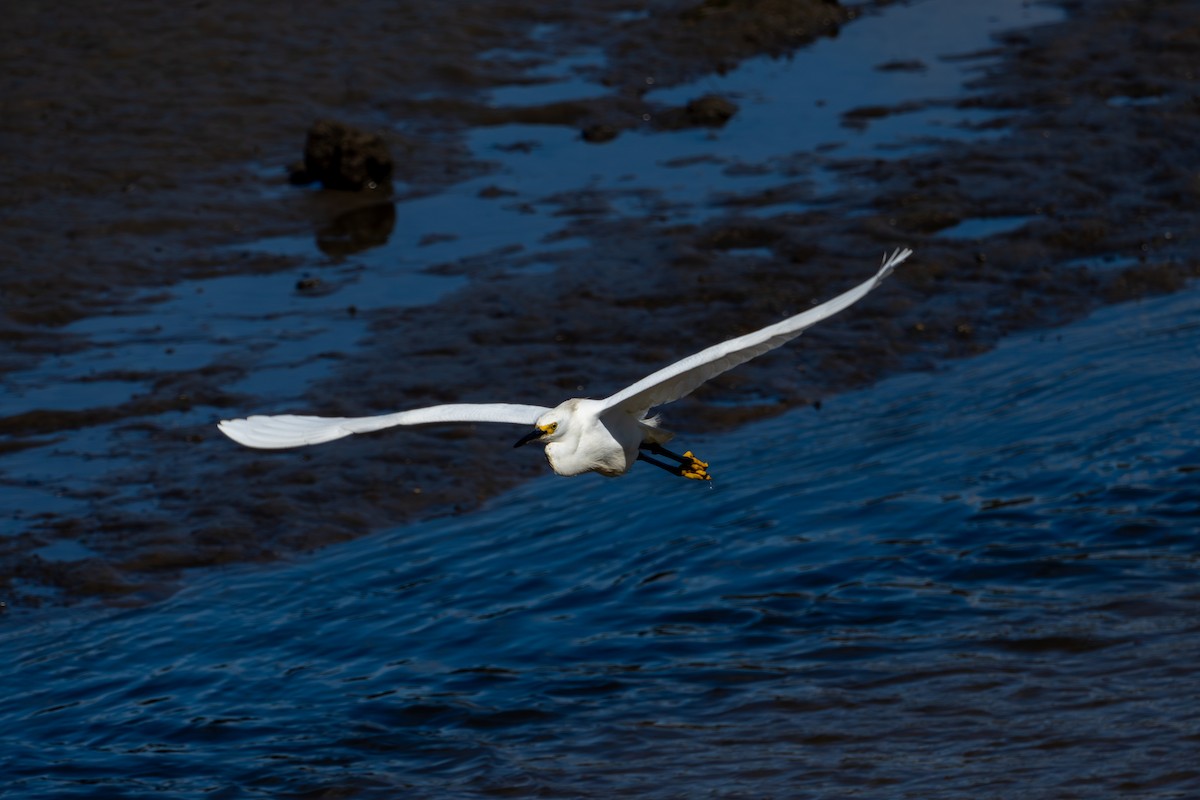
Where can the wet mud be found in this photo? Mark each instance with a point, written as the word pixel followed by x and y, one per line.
pixel 129 141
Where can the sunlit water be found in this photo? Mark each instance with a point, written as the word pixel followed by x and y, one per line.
pixel 979 582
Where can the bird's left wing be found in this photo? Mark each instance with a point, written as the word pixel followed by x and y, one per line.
pixel 683 377
pixel 290 430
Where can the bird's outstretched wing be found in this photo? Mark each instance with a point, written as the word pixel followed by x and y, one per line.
pixel 683 377
pixel 289 430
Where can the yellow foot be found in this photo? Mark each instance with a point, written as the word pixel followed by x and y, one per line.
pixel 694 468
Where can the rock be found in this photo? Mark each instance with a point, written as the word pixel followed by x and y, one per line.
pixel 707 111
pixel 710 110
pixel 343 157
pixel 599 132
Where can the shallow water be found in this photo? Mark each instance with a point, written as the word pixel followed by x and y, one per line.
pixel 977 582
pixel 266 329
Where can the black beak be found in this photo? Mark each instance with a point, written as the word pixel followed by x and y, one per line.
pixel 532 436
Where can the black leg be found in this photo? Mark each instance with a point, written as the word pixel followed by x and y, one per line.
pixel 659 450
pixel 674 469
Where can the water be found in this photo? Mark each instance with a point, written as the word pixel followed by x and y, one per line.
pixel 802 104
pixel 983 227
pixel 976 582
pixel 419 252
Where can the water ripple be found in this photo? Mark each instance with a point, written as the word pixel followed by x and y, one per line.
pixel 974 582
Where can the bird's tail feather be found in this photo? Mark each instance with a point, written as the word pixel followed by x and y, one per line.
pixel 651 431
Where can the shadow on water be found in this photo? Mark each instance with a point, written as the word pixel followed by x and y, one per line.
pixel 978 582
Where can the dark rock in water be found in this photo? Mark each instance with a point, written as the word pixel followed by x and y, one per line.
pixel 709 111
pixel 343 157
pixel 599 132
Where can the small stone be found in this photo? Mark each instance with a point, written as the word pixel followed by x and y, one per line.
pixel 599 133
pixel 711 110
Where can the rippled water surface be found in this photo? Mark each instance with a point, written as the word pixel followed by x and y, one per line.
pixel 979 582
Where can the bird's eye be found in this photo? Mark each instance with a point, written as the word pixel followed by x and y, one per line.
pixel 550 428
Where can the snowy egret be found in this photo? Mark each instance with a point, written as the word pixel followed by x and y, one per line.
pixel 580 435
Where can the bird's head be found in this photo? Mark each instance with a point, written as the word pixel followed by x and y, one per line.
pixel 549 427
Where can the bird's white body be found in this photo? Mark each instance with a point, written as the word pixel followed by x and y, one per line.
pixel 594 441
pixel 580 435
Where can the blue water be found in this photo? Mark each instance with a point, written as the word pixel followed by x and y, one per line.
pixel 790 124
pixel 983 227
pixel 979 582
pixel 790 127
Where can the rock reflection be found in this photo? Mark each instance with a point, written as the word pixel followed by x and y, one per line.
pixel 358 230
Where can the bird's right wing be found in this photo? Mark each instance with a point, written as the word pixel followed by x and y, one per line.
pixel 289 430
pixel 684 376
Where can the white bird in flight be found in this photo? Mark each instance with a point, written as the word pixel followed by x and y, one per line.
pixel 580 435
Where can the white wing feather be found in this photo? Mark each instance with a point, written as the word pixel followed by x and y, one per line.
pixel 683 377
pixel 289 430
